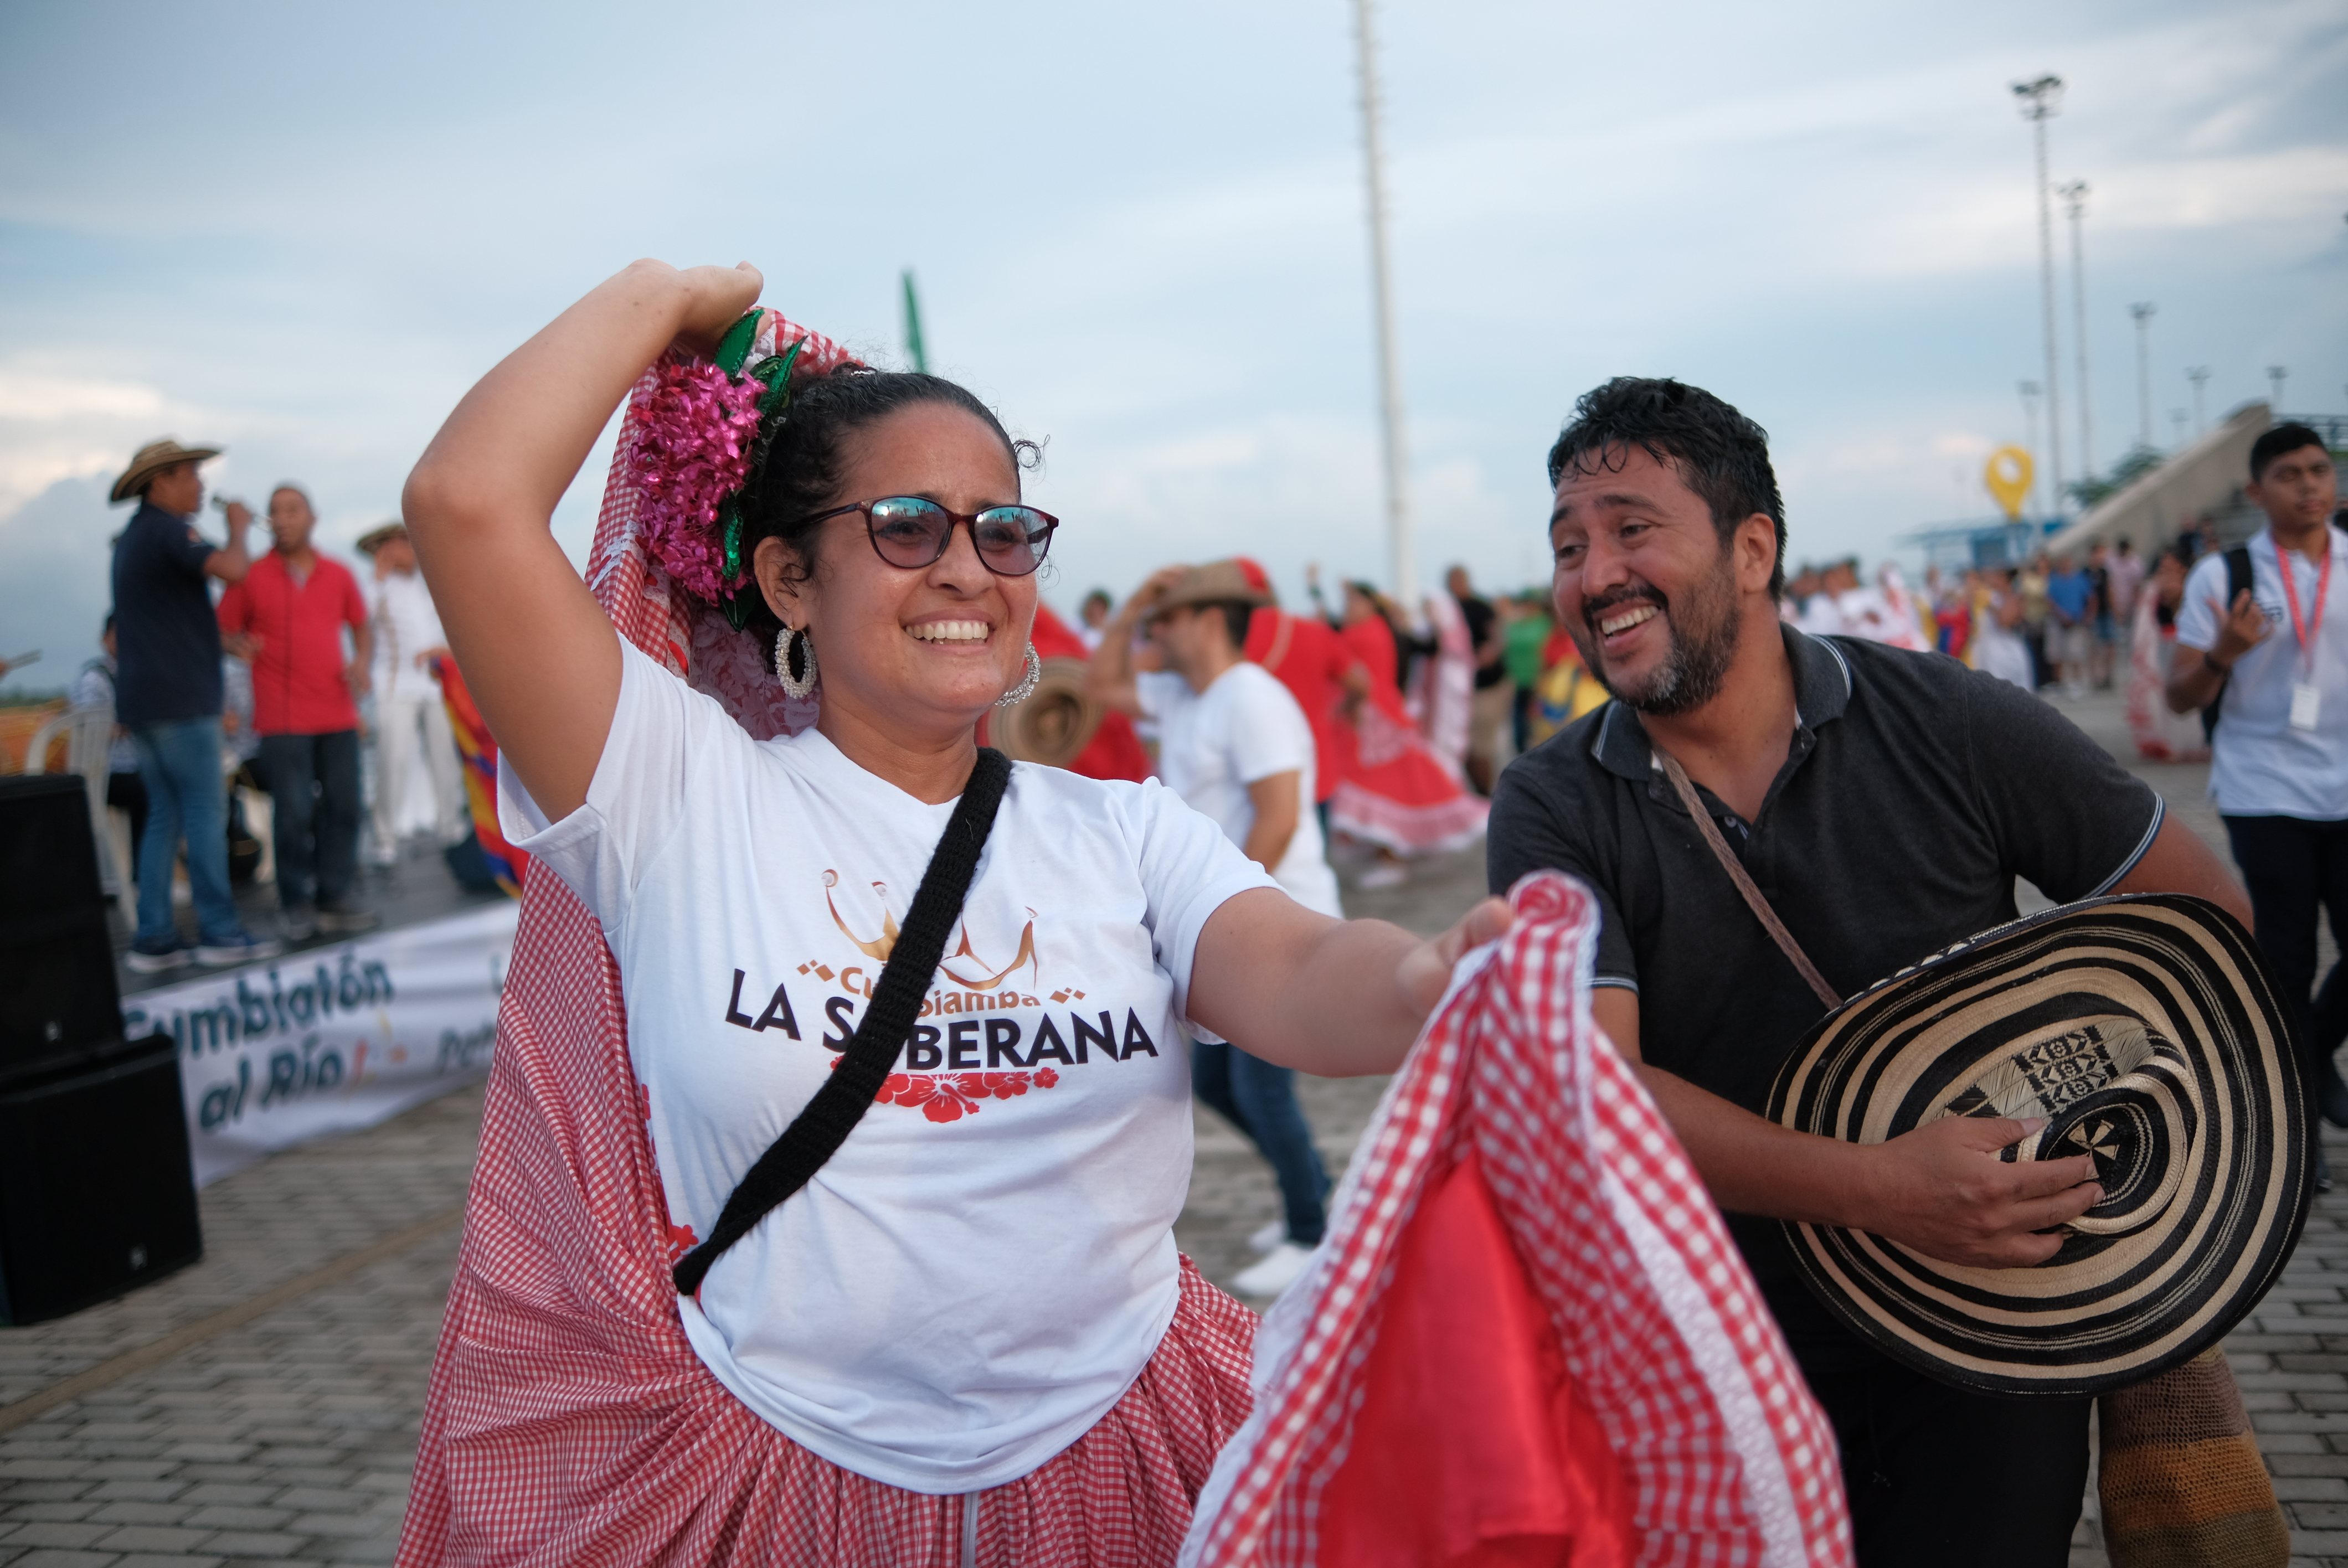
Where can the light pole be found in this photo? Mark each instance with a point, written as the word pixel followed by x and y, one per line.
pixel 2038 101
pixel 2197 375
pixel 2142 312
pixel 1404 563
pixel 2030 391
pixel 2276 373
pixel 2075 203
pixel 2179 415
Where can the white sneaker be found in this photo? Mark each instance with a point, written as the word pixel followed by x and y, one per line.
pixel 1264 1237
pixel 1280 1269
pixel 1384 874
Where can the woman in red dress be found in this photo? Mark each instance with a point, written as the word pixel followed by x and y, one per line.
pixel 1392 790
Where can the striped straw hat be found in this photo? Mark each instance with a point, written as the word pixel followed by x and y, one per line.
pixel 2148 1032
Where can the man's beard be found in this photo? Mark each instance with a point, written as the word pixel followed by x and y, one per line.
pixel 1703 631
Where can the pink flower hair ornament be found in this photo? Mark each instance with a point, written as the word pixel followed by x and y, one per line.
pixel 702 430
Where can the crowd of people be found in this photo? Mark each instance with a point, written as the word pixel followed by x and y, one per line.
pixel 257 705
pixel 858 1274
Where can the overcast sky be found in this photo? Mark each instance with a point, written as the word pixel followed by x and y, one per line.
pixel 302 231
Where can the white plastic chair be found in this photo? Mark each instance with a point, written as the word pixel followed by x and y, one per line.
pixel 89 737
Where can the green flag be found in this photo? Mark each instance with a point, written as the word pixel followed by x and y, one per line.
pixel 914 326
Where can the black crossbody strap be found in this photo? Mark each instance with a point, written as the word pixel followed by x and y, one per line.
pixel 816 1133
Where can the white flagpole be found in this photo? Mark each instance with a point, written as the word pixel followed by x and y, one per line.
pixel 1404 563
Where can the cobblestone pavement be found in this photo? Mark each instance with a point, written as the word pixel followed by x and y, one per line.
pixel 287 1439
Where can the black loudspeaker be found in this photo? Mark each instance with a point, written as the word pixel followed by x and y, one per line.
pixel 96 1191
pixel 58 997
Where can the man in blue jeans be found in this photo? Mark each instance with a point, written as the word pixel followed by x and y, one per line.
pixel 1233 744
pixel 167 695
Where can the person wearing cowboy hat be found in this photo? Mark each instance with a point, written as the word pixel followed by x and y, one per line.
pixel 1233 744
pixel 408 713
pixel 167 695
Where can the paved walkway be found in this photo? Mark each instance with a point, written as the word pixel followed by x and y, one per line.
pixel 262 1408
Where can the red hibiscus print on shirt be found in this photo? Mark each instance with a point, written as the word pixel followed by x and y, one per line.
pixel 950 1096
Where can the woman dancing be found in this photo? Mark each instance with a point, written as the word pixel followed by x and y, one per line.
pixel 1393 791
pixel 969 1336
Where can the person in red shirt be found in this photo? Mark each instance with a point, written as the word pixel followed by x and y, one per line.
pixel 1316 665
pixel 292 609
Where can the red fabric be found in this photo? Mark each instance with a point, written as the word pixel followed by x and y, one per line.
pixel 1391 788
pixel 298 685
pixel 1559 648
pixel 1310 660
pixel 1115 752
pixel 1724 1457
pixel 568 1420
pixel 1473 1447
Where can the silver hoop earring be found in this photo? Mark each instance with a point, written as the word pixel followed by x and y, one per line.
pixel 1026 687
pixel 795 687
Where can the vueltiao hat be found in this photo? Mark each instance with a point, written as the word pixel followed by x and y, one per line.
pixel 152 459
pixel 2148 1032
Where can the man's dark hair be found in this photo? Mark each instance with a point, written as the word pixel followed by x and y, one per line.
pixel 2276 443
pixel 1235 621
pixel 1720 455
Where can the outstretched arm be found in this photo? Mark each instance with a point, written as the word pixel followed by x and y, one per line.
pixel 542 660
pixel 1335 997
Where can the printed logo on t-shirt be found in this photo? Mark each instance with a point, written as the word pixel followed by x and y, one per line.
pixel 988 1028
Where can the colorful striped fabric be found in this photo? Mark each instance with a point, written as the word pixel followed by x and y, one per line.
pixel 477 750
pixel 1720 1455
pixel 2180 1477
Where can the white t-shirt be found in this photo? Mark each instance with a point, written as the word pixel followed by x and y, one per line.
pixel 985 1265
pixel 1213 744
pixel 405 624
pixel 2259 765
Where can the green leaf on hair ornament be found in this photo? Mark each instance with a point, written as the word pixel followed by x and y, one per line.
pixel 775 370
pixel 734 346
pixel 737 603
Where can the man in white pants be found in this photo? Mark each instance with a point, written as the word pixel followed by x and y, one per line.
pixel 408 711
pixel 1234 744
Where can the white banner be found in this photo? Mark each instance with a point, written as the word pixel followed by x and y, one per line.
pixel 332 1039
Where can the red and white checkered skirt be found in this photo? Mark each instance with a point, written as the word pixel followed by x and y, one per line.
pixel 1722 1456
pixel 568 1421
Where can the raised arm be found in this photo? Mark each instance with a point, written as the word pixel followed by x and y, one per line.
pixel 1108 679
pixel 541 659
pixel 230 565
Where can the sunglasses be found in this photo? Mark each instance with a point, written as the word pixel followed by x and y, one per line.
pixel 908 531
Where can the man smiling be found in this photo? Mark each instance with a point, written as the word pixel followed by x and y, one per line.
pixel 1884 802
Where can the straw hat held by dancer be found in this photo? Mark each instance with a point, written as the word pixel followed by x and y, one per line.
pixel 971 1323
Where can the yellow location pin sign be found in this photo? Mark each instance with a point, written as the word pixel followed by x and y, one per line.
pixel 2008 480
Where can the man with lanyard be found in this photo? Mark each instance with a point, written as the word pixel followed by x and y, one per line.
pixel 1883 801
pixel 2279 756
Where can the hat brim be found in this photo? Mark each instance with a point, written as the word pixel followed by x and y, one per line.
pixel 138 474
pixel 2149 1032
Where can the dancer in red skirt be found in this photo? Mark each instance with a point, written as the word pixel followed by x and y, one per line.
pixel 1393 791
pixel 967 1336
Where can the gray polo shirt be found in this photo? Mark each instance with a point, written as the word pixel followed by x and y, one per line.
pixel 1914 793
